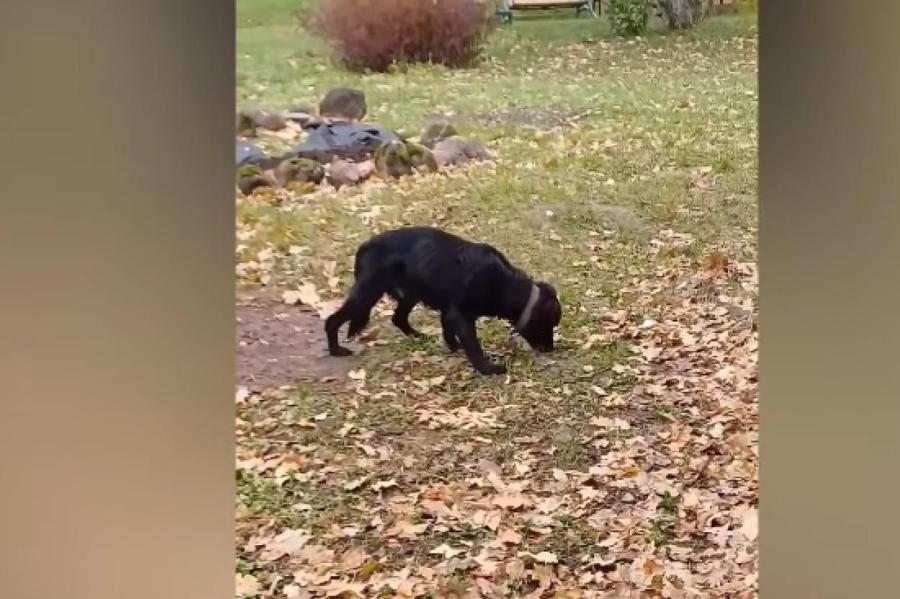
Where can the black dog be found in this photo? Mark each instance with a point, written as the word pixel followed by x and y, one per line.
pixel 461 279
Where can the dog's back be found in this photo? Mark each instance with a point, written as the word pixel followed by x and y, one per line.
pixel 426 262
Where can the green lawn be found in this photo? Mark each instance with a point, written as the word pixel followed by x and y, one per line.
pixel 628 457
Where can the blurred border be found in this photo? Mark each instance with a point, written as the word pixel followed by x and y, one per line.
pixel 117 280
pixel 829 328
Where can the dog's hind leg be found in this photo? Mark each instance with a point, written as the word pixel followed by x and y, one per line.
pixel 405 305
pixel 332 325
pixel 356 309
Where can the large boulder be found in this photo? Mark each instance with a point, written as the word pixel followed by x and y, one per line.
pixel 343 104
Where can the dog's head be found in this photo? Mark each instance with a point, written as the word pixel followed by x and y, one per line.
pixel 541 315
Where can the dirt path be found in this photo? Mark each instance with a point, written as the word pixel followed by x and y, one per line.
pixel 278 344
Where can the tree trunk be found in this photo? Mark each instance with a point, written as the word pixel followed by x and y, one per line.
pixel 683 14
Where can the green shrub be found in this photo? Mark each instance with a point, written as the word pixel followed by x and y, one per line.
pixel 628 17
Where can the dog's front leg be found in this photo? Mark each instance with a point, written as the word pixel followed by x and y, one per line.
pixel 449 333
pixel 468 338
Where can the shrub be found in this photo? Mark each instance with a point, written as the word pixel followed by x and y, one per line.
pixel 375 34
pixel 628 17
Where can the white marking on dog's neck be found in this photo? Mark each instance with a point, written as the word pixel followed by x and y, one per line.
pixel 529 307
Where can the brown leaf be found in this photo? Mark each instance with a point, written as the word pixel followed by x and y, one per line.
pixel 315 555
pixel 515 569
pixel 406 529
pixel 750 526
pixel 511 500
pixel 446 551
pixel 487 519
pixel 507 536
pixel 287 542
pixel 246 585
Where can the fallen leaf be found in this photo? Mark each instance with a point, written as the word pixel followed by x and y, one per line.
pixel 386 484
pixel 406 529
pixel 508 536
pixel 292 591
pixel 446 551
pixel 356 483
pixel 316 554
pixel 511 500
pixel 287 542
pixel 246 585
pixel 750 526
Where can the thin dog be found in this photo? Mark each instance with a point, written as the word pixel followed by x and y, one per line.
pixel 461 279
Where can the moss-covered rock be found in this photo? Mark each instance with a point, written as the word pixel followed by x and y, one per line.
pixel 401 158
pixel 300 170
pixel 248 185
pixel 248 170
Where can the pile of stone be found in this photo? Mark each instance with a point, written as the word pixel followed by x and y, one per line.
pixel 340 148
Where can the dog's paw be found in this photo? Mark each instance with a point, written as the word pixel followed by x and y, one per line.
pixel 492 368
pixel 340 352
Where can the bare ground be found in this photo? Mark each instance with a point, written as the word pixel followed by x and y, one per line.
pixel 279 344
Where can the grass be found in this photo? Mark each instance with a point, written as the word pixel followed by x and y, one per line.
pixel 658 172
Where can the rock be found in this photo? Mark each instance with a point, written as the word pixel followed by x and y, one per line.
pixel 343 104
pixel 301 118
pixel 366 168
pixel 249 120
pixel 246 124
pixel 459 150
pixel 401 158
pixel 248 185
pixel 301 187
pixel 435 132
pixel 301 114
pixel 299 169
pixel 273 121
pixel 420 157
pixel 250 177
pixel 304 108
pixel 392 159
pixel 248 170
pixel 343 172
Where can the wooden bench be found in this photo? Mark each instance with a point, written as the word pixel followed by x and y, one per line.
pixel 505 7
